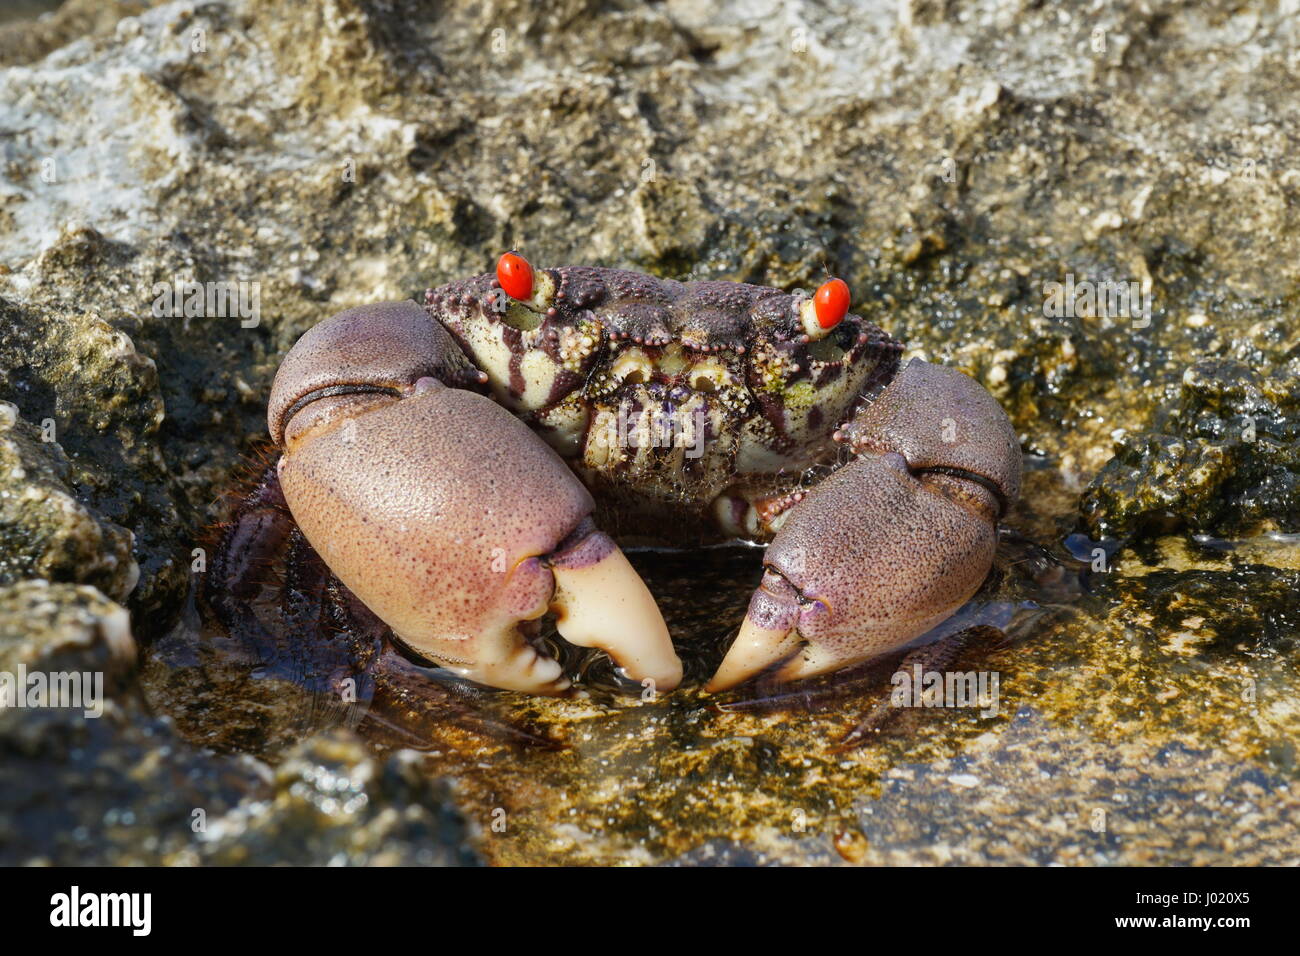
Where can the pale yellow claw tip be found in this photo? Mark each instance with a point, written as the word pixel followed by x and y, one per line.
pixel 755 649
pixel 812 662
pixel 519 668
pixel 607 605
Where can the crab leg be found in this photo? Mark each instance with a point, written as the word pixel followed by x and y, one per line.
pixel 240 563
pixel 892 543
pixel 443 513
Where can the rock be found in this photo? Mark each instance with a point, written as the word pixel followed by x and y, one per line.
pixel 94 408
pixel 330 802
pixel 1224 459
pixel 46 532
pixel 954 164
pixel 124 790
pixel 1057 801
pixel 49 628
pixel 93 780
pixel 26 42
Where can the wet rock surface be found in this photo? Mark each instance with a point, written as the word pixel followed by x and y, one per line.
pixel 49 533
pixel 1173 806
pixel 951 161
pixel 1223 457
pixel 98 779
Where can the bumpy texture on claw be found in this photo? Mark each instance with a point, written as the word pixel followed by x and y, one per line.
pixel 445 514
pixel 891 544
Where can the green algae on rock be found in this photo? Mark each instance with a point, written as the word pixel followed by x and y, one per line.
pixel 96 400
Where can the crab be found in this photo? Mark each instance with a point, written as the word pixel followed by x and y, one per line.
pixel 451 472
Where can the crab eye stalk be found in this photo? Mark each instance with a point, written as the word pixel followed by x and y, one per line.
pixel 826 309
pixel 516 276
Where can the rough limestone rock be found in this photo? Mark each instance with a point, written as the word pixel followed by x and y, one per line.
pixel 958 163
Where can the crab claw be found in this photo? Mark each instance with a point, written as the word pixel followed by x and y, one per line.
pixel 892 543
pixel 446 515
pixel 600 601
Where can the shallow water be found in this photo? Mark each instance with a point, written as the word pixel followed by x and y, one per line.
pixel 730 767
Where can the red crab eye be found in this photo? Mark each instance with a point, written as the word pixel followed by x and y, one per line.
pixel 515 275
pixel 831 303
